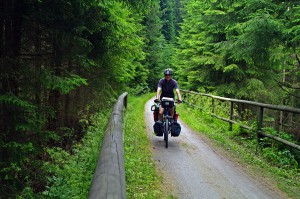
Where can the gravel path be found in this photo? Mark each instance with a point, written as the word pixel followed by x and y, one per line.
pixel 192 169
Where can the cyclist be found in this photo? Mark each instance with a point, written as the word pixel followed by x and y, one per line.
pixel 165 87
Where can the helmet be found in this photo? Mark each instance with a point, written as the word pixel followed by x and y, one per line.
pixel 168 72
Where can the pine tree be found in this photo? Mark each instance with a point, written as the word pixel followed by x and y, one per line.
pixel 154 44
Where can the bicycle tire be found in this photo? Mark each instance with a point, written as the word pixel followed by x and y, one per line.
pixel 166 131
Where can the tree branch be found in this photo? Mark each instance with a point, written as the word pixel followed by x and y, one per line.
pixel 298 60
pixel 282 85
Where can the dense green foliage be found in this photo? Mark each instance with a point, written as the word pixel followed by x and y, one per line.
pixel 73 171
pixel 245 49
pixel 153 45
pixel 161 26
pixel 62 61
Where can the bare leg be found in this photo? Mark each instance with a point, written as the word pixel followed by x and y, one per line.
pixel 172 111
pixel 161 112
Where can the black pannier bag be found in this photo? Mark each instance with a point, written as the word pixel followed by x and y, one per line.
pixel 175 129
pixel 158 128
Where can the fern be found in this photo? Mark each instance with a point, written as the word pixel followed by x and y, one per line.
pixel 63 84
pixel 12 100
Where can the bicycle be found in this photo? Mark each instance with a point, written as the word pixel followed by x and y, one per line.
pixel 166 103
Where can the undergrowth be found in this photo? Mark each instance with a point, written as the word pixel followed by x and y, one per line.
pixel 72 172
pixel 268 159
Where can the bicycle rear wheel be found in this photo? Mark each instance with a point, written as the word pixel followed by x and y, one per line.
pixel 166 131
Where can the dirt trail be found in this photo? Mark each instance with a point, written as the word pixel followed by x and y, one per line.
pixel 192 169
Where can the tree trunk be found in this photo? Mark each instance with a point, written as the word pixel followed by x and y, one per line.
pixel 282 102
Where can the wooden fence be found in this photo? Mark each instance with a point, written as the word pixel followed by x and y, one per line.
pixel 261 107
pixel 109 177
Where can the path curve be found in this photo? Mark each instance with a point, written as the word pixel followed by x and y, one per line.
pixel 192 169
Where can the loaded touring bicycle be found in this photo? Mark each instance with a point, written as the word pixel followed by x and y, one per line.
pixel 169 125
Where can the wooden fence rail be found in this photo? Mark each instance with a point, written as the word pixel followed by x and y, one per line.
pixel 261 106
pixel 109 177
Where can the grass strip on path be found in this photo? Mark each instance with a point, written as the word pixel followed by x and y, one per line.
pixel 142 180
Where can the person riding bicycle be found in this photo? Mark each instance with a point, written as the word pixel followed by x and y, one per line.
pixel 165 87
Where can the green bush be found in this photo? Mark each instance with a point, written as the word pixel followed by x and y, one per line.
pixel 72 172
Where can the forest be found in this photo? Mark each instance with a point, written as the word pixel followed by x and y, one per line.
pixel 63 60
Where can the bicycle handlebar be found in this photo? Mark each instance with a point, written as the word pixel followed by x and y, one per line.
pixel 159 101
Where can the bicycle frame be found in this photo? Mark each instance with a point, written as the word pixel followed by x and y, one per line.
pixel 166 125
pixel 167 103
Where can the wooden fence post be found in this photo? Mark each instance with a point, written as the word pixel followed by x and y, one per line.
pixel 231 116
pixel 260 123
